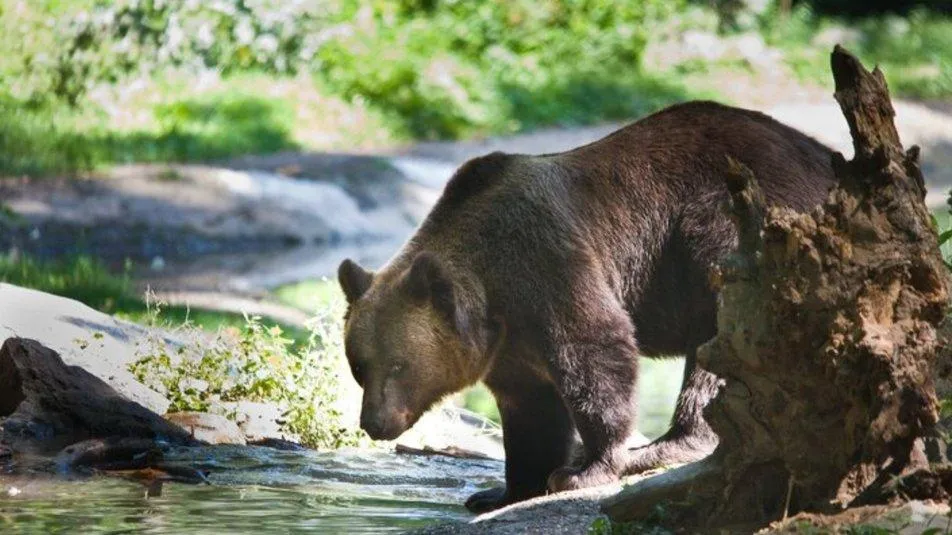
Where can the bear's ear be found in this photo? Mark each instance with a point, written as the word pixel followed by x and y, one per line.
pixel 354 280
pixel 429 281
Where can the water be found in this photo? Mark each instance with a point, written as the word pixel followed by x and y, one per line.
pixel 256 490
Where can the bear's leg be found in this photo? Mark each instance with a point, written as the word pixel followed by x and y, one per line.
pixel 598 384
pixel 689 438
pixel 537 436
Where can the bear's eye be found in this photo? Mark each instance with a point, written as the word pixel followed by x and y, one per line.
pixel 358 374
pixel 397 368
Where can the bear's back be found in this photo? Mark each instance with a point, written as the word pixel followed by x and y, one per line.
pixel 687 145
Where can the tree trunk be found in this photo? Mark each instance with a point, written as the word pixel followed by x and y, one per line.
pixel 827 337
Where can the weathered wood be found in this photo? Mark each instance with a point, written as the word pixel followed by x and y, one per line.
pixel 46 405
pixel 827 336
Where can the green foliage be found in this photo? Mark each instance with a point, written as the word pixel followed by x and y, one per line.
pixel 310 295
pixel 61 50
pixel 436 69
pixel 914 52
pixel 866 529
pixel 945 408
pixel 652 524
pixel 221 125
pixel 453 68
pixel 81 278
pixel 481 401
pixel 429 68
pixel 257 363
pixel 51 137
pixel 32 141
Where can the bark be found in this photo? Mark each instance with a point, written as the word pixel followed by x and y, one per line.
pixel 827 337
pixel 46 405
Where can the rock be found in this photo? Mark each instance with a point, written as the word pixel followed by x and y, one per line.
pixel 124 452
pixel 447 427
pixel 100 344
pixel 132 458
pixel 258 421
pixel 570 512
pixel 46 404
pixel 208 427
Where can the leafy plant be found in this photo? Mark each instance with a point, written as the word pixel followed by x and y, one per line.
pixel 652 524
pixel 256 363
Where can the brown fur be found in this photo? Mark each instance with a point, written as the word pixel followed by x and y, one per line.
pixel 547 276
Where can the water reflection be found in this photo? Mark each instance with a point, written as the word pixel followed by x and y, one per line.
pixel 255 490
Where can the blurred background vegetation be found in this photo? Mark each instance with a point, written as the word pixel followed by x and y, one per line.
pixel 85 83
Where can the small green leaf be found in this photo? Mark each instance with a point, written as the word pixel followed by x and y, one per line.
pixel 945 236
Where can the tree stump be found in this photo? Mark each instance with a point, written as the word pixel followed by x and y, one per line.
pixel 827 338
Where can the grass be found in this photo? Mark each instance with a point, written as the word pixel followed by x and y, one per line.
pixel 310 295
pixel 52 138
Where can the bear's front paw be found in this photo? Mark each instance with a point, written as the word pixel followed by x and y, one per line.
pixel 488 500
pixel 574 478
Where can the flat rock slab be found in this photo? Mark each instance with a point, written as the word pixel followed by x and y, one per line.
pixel 208 427
pixel 564 513
pixel 99 343
pixel 571 512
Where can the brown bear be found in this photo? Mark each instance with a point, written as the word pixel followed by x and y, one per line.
pixel 546 277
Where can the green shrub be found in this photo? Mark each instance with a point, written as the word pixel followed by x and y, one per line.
pixel 433 69
pixel 914 52
pixel 453 68
pixel 258 363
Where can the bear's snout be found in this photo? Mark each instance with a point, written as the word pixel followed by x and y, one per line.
pixel 383 426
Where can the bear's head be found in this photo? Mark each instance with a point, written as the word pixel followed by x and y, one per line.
pixel 412 335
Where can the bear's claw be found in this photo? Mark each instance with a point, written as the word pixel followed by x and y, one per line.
pixel 487 500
